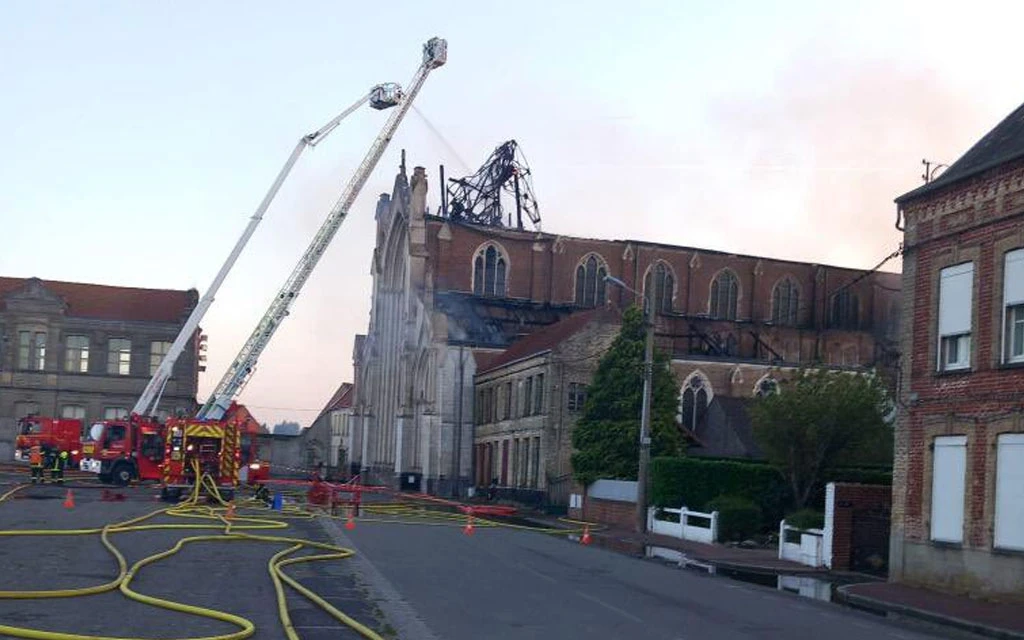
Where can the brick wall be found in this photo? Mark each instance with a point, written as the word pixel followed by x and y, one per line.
pixel 610 512
pixel 977 219
pixel 852 500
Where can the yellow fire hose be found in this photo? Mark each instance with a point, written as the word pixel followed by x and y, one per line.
pixel 232 530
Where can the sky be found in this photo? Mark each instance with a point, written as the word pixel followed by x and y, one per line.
pixel 136 139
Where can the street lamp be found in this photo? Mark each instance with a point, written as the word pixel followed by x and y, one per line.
pixel 645 411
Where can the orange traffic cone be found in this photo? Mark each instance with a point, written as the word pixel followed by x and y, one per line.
pixel 231 511
pixel 350 524
pixel 69 500
pixel 469 528
pixel 586 535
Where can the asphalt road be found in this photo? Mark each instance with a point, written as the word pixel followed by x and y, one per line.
pixel 231 577
pixel 503 583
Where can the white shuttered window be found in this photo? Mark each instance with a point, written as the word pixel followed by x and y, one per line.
pixel 1009 527
pixel 949 473
pixel 956 288
pixel 1013 306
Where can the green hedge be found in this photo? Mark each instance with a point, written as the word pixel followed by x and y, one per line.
pixel 694 482
pixel 738 517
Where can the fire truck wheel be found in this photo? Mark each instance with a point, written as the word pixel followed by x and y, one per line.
pixel 122 475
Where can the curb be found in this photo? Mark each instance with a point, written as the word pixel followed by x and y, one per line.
pixel 923 614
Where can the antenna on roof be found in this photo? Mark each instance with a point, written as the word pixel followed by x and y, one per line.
pixel 930 171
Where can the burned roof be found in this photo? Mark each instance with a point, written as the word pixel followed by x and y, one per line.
pixel 546 338
pixel 482 321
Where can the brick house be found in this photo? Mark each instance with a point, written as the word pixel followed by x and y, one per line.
pixel 523 428
pixel 87 351
pixel 447 293
pixel 958 500
pixel 329 439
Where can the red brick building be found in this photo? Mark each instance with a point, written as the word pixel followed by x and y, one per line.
pixel 958 500
pixel 448 295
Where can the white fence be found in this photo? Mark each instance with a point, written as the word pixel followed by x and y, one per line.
pixel 705 530
pixel 808 551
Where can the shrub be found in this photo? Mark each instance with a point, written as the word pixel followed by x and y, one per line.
pixel 738 517
pixel 806 519
pixel 694 482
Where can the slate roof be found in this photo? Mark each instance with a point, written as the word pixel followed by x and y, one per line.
pixel 544 339
pixel 105 302
pixel 1002 144
pixel 341 399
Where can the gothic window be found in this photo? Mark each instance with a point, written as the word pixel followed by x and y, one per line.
pixel 766 386
pixel 658 286
pixel 693 402
pixel 724 292
pixel 845 310
pixel 489 269
pixel 785 302
pixel 590 284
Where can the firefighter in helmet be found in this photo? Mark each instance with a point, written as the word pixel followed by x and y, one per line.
pixel 60 460
pixel 35 461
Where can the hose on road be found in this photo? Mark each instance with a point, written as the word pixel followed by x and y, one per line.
pixel 233 528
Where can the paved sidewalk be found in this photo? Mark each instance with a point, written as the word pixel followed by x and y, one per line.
pixel 997 620
pixel 631 542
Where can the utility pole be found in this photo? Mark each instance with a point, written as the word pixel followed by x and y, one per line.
pixel 645 410
pixel 645 422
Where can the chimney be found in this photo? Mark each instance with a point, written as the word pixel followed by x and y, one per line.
pixel 419 192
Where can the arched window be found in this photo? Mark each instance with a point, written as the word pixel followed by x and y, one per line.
pixel 766 386
pixel 590 284
pixel 694 398
pixel 659 292
pixel 785 302
pixel 489 269
pixel 724 292
pixel 845 310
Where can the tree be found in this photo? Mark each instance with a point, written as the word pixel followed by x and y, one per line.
pixel 607 436
pixel 818 421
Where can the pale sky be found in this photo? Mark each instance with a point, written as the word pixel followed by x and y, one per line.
pixel 137 138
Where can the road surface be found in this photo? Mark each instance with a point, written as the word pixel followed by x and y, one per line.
pixel 502 584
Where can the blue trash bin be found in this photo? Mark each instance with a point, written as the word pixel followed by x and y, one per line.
pixel 278 502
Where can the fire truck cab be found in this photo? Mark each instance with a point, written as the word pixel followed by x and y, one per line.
pixel 213 447
pixel 124 450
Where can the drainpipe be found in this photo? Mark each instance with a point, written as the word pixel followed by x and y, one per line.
pixel 457 451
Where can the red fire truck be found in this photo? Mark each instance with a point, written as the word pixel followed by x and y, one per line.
pixel 59 434
pixel 134 448
pixel 195 448
pixel 124 450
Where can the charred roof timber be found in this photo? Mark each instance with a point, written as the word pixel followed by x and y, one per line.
pixel 477 198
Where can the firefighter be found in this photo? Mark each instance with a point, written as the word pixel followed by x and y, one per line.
pixel 60 460
pixel 35 461
pixel 262 493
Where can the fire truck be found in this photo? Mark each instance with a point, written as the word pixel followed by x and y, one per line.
pixel 120 451
pixel 59 434
pixel 124 450
pixel 194 448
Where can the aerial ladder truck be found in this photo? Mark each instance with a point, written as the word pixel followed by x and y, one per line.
pixel 208 443
pixel 120 450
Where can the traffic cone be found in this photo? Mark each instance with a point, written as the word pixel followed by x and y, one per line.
pixel 468 529
pixel 350 524
pixel 69 500
pixel 586 535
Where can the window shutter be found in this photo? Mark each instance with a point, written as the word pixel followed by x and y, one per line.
pixel 948 483
pixel 1013 278
pixel 1009 528
pixel 955 299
